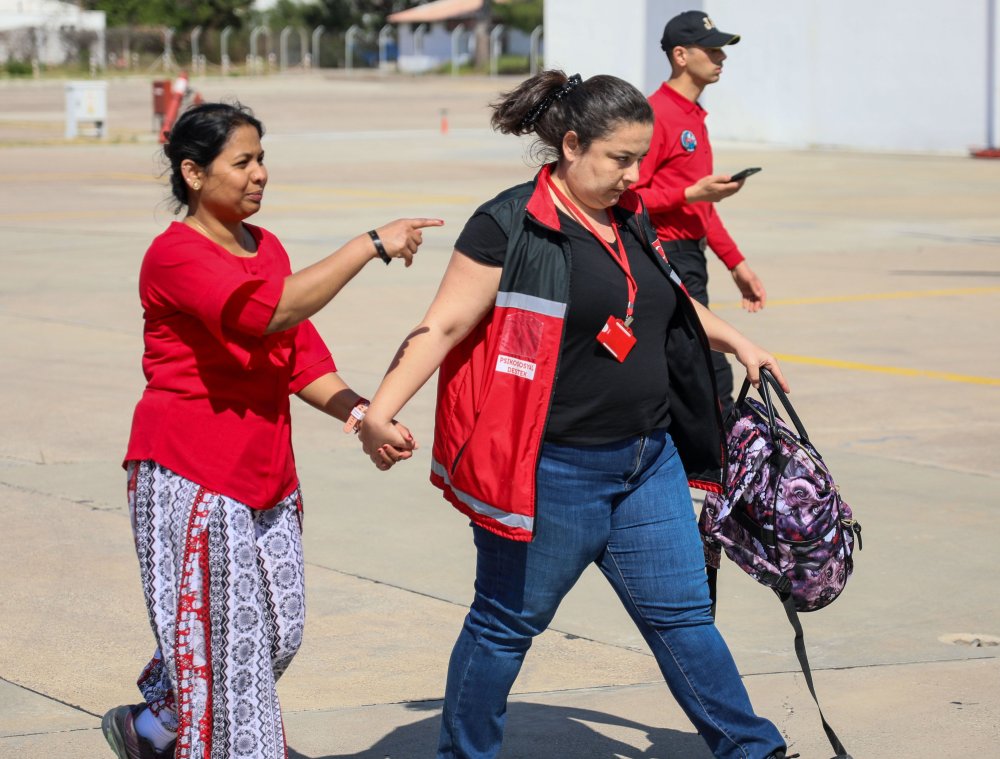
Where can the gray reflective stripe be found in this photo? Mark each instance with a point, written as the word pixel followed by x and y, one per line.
pixel 532 303
pixel 676 280
pixel 504 517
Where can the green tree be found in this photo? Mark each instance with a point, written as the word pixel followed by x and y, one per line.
pixel 340 14
pixel 214 14
pixel 128 12
pixel 519 14
pixel 333 14
pixel 179 14
pixel 285 13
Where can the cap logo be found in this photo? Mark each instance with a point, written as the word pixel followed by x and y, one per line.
pixel 688 141
pixel 708 23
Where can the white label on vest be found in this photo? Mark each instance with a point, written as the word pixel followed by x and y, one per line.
pixel 511 365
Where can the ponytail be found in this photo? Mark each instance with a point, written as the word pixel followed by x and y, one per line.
pixel 550 104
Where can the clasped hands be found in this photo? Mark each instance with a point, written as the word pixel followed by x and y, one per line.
pixel 386 441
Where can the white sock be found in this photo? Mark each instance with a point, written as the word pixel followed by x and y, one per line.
pixel 150 728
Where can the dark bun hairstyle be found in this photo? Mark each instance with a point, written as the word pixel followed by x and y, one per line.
pixel 200 134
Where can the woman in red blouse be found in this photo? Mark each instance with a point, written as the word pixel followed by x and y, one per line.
pixel 212 490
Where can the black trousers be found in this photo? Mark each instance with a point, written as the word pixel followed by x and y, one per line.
pixel 689 262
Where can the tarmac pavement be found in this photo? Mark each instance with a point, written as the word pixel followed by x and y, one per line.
pixel 883 273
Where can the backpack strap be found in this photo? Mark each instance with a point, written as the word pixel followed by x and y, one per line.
pixel 800 653
pixel 766 537
pixel 713 587
pixel 767 380
pixel 781 586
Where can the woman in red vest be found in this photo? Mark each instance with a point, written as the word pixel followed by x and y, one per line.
pixel 575 391
pixel 212 489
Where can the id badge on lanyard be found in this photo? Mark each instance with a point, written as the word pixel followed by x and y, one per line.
pixel 616 335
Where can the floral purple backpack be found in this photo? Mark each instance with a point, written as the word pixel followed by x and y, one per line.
pixel 782 521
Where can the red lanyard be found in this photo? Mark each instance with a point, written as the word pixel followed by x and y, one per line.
pixel 617 253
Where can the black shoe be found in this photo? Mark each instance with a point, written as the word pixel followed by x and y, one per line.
pixel 118 727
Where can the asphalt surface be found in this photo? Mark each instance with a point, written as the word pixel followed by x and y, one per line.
pixel 883 273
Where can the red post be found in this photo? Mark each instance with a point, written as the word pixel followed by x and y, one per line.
pixel 161 92
pixel 177 93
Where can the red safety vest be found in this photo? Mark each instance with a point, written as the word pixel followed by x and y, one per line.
pixel 495 387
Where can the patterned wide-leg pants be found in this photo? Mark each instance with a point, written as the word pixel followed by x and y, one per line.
pixel 224 587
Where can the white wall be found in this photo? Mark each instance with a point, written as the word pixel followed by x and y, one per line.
pixel 597 37
pixel 892 75
pixel 39 25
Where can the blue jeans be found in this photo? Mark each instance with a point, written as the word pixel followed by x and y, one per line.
pixel 626 507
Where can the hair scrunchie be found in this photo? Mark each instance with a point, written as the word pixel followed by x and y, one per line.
pixel 536 113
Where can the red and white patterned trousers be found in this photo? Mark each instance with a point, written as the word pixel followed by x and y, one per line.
pixel 224 588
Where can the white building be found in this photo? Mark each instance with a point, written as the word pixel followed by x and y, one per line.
pixel 909 75
pixel 49 32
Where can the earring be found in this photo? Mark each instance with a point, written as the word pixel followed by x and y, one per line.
pixel 196 185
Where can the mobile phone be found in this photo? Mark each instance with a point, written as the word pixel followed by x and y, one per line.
pixel 741 175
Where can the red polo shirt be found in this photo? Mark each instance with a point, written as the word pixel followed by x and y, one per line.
pixel 215 408
pixel 679 155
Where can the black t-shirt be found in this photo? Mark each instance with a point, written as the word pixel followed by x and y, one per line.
pixel 598 399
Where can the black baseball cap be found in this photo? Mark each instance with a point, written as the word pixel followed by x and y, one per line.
pixel 694 28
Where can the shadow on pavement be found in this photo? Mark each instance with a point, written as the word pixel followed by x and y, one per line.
pixel 558 732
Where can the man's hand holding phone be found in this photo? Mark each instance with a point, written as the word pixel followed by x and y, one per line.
pixel 739 176
pixel 716 187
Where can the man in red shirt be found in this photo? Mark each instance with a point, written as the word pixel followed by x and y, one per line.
pixel 676 179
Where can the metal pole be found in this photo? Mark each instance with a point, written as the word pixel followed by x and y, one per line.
pixel 102 48
pixel 456 43
pixel 224 45
pixel 495 49
pixel 195 57
pixel 384 38
pixel 418 39
pixel 36 52
pixel 317 33
pixel 352 32
pixel 283 48
pixel 253 59
pixel 168 49
pixel 303 48
pixel 536 36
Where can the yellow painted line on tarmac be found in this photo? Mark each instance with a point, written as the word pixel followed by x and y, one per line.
pixel 304 189
pixel 857 366
pixel 347 192
pixel 898 295
pixel 54 123
pixel 365 198
pixel 118 176
pixel 334 209
pixel 70 215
